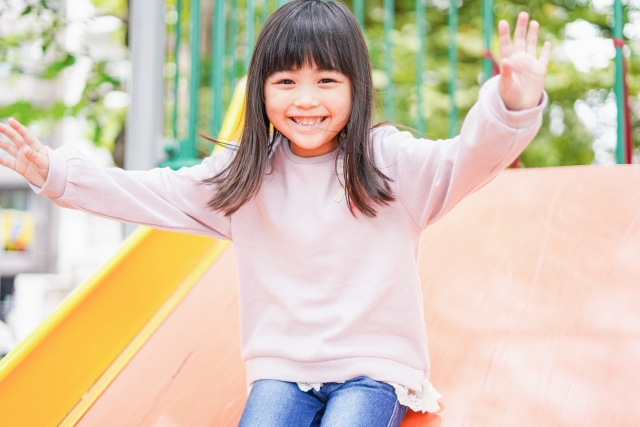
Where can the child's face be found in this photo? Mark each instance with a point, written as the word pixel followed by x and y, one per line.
pixel 310 107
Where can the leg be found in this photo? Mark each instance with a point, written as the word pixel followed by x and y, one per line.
pixel 363 402
pixel 274 403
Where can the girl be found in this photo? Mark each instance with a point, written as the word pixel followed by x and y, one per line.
pixel 325 214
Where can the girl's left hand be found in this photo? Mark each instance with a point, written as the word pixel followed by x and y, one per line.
pixel 522 74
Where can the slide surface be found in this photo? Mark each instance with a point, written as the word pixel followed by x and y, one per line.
pixel 531 294
pixel 531 290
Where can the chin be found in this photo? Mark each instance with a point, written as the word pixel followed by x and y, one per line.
pixel 306 143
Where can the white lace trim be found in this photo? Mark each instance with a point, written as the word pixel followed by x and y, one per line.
pixel 310 386
pixel 426 401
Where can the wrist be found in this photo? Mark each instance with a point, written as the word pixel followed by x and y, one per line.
pixel 40 180
pixel 521 105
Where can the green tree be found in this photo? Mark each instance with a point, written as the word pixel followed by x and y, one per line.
pixel 41 27
pixel 565 84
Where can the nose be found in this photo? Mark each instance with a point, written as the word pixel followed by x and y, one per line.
pixel 306 98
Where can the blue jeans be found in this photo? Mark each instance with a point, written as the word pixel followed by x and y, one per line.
pixel 360 402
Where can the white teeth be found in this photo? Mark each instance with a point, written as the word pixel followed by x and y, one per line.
pixel 306 122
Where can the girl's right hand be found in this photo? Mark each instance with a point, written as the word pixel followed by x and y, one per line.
pixel 28 156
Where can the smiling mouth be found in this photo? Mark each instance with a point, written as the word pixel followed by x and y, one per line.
pixel 308 121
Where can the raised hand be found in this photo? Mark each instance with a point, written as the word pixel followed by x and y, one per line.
pixel 28 156
pixel 522 73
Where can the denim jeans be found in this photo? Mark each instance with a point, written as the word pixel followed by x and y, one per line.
pixel 360 402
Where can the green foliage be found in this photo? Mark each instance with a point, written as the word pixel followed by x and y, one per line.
pixel 565 84
pixel 53 69
pixel 44 21
pixel 25 112
pixel 104 124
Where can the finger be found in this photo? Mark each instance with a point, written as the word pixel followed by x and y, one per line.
pixel 27 136
pixel 36 158
pixel 546 54
pixel 520 32
pixel 7 145
pixel 506 73
pixel 7 162
pixel 532 38
pixel 13 135
pixel 505 39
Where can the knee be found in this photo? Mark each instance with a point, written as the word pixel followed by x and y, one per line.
pixel 274 388
pixel 274 403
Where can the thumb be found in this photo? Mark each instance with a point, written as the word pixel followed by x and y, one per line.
pixel 506 77
pixel 506 71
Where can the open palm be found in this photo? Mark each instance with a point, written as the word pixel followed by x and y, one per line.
pixel 28 156
pixel 522 73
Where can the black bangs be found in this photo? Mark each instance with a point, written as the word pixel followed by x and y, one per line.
pixel 308 33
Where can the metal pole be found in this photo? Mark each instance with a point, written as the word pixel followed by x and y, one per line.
pixel 233 43
pixel 188 150
pixel 145 122
pixel 249 31
pixel 176 77
pixel 217 66
pixel 487 27
pixel 389 18
pixel 619 79
pixel 628 128
pixel 420 56
pixel 264 11
pixel 187 154
pixel 358 11
pixel 453 65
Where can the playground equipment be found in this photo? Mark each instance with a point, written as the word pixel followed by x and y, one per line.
pixel 230 55
pixel 530 290
pixel 530 299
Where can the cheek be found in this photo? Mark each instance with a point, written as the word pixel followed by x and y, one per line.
pixel 344 102
pixel 275 106
pixel 342 106
pixel 271 109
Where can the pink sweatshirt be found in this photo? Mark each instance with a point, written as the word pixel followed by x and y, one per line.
pixel 324 296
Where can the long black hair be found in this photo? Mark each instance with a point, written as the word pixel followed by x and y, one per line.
pixel 307 33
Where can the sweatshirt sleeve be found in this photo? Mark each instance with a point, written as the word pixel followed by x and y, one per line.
pixel 431 177
pixel 159 198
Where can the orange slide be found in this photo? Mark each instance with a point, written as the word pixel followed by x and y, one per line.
pixel 531 299
pixel 532 302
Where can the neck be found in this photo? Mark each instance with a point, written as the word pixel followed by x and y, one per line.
pixel 313 152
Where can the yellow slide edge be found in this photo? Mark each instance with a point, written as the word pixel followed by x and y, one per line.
pixel 91 396
pixel 70 351
pixel 12 360
pixel 82 346
pixel 231 129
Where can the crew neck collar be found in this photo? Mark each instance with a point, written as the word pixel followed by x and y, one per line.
pixel 286 147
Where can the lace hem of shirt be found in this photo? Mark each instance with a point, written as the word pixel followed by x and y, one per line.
pixel 425 401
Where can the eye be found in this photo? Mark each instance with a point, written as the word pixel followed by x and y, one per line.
pixel 327 81
pixel 285 82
